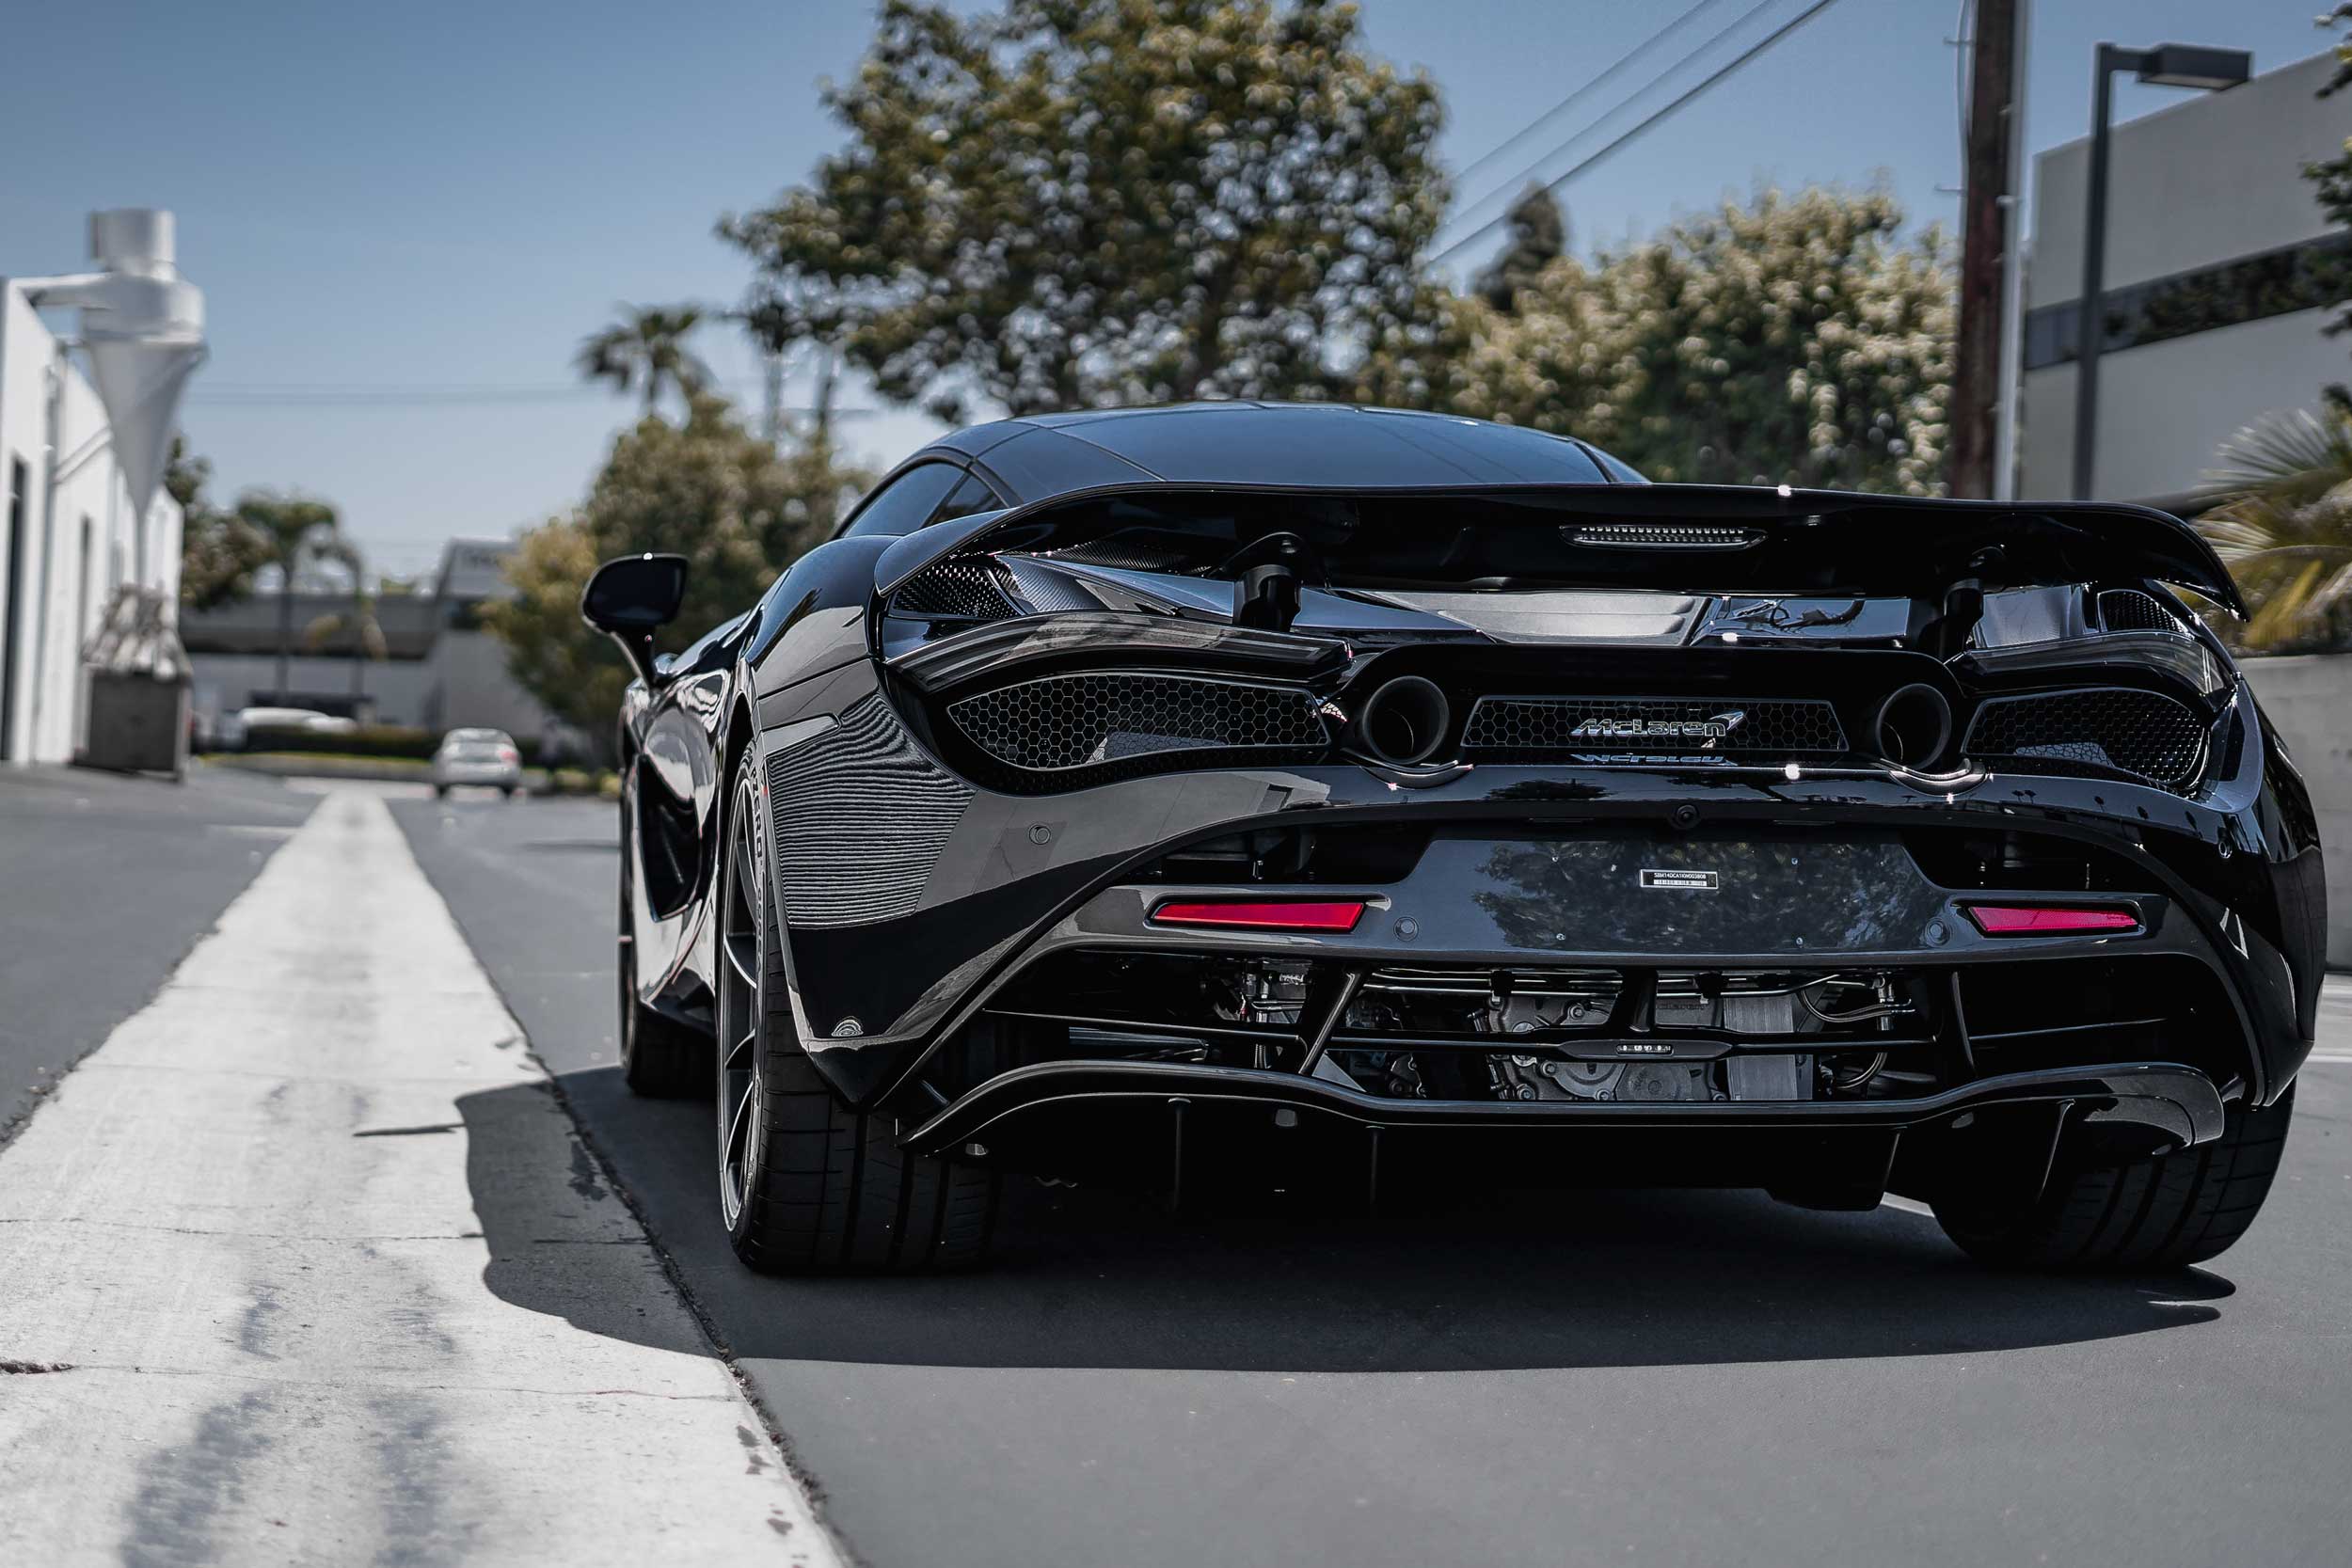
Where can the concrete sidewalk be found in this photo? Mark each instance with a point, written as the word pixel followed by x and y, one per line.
pixel 306 1263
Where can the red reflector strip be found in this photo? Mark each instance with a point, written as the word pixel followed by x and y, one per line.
pixel 1340 915
pixel 2018 920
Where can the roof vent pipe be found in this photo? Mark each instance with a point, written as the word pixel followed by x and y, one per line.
pixel 143 328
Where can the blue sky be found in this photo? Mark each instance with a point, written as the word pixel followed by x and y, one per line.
pixel 439 196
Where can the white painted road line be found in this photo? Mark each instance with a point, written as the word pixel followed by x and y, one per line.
pixel 306 1264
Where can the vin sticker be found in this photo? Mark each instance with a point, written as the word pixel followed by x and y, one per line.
pixel 1703 881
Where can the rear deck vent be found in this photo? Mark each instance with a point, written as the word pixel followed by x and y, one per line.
pixel 1067 722
pixel 966 590
pixel 2113 729
pixel 2129 609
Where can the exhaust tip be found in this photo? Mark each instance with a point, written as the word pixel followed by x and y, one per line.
pixel 1913 726
pixel 1404 721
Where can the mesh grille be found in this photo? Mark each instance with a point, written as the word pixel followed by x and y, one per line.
pixel 1780 725
pixel 1075 721
pixel 2129 609
pixel 959 590
pixel 2138 733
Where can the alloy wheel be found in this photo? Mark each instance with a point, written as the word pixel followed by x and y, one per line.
pixel 742 938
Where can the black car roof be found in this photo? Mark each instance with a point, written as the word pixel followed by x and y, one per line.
pixel 1316 444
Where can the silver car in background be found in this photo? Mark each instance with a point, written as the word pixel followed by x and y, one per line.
pixel 485 757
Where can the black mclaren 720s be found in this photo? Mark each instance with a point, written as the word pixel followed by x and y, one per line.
pixel 1273 796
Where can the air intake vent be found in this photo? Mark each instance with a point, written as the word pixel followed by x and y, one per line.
pixel 965 590
pixel 1664 536
pixel 1083 722
pixel 2109 728
pixel 2129 609
pixel 1539 726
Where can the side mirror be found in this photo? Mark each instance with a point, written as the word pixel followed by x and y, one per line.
pixel 631 597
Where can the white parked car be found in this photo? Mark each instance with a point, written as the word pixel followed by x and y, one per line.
pixel 236 728
pixel 487 757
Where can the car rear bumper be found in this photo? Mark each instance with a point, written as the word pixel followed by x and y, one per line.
pixel 2176 1105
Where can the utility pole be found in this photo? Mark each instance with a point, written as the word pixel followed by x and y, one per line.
pixel 1988 244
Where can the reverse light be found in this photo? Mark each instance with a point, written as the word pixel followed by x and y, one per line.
pixel 1340 914
pixel 2037 920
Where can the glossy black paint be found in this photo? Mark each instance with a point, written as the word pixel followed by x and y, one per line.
pixel 2233 875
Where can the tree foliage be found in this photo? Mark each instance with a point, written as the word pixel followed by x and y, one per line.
pixel 645 351
pixel 1068 203
pixel 1539 236
pixel 707 490
pixel 2284 524
pixel 1795 340
pixel 219 551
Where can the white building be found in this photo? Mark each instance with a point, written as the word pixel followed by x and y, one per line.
pixel 438 667
pixel 69 540
pixel 2221 269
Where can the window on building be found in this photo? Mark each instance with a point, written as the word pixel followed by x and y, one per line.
pixel 2307 276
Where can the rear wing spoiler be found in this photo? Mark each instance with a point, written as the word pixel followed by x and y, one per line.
pixel 1684 538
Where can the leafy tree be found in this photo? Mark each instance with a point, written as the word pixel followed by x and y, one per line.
pixel 299 531
pixel 2283 523
pixel 707 490
pixel 1790 340
pixel 219 551
pixel 645 351
pixel 1539 236
pixel 1074 202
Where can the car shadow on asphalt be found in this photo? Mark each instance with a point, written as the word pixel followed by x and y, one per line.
pixel 1085 1279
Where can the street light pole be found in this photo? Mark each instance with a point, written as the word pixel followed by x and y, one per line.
pixel 2170 65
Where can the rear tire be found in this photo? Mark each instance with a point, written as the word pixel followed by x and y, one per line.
pixel 809 1185
pixel 2165 1212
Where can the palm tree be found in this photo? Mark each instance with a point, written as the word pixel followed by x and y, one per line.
pixel 645 351
pixel 297 528
pixel 2283 523
pixel 366 632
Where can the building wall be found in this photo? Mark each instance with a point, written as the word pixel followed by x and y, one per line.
pixel 2209 179
pixel 65 576
pixel 2165 408
pixel 2308 701
pixel 402 689
pixel 471 687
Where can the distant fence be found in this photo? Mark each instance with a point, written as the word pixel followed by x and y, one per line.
pixel 2309 700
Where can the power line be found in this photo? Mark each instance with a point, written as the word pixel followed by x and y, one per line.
pixel 1508 186
pixel 325 394
pixel 1562 107
pixel 1783 31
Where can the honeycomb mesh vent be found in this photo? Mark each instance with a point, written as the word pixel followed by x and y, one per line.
pixel 1646 726
pixel 965 590
pixel 2129 609
pixel 2138 733
pixel 1086 720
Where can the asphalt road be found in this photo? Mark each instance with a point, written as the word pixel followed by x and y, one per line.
pixel 110 881
pixel 1627 1377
